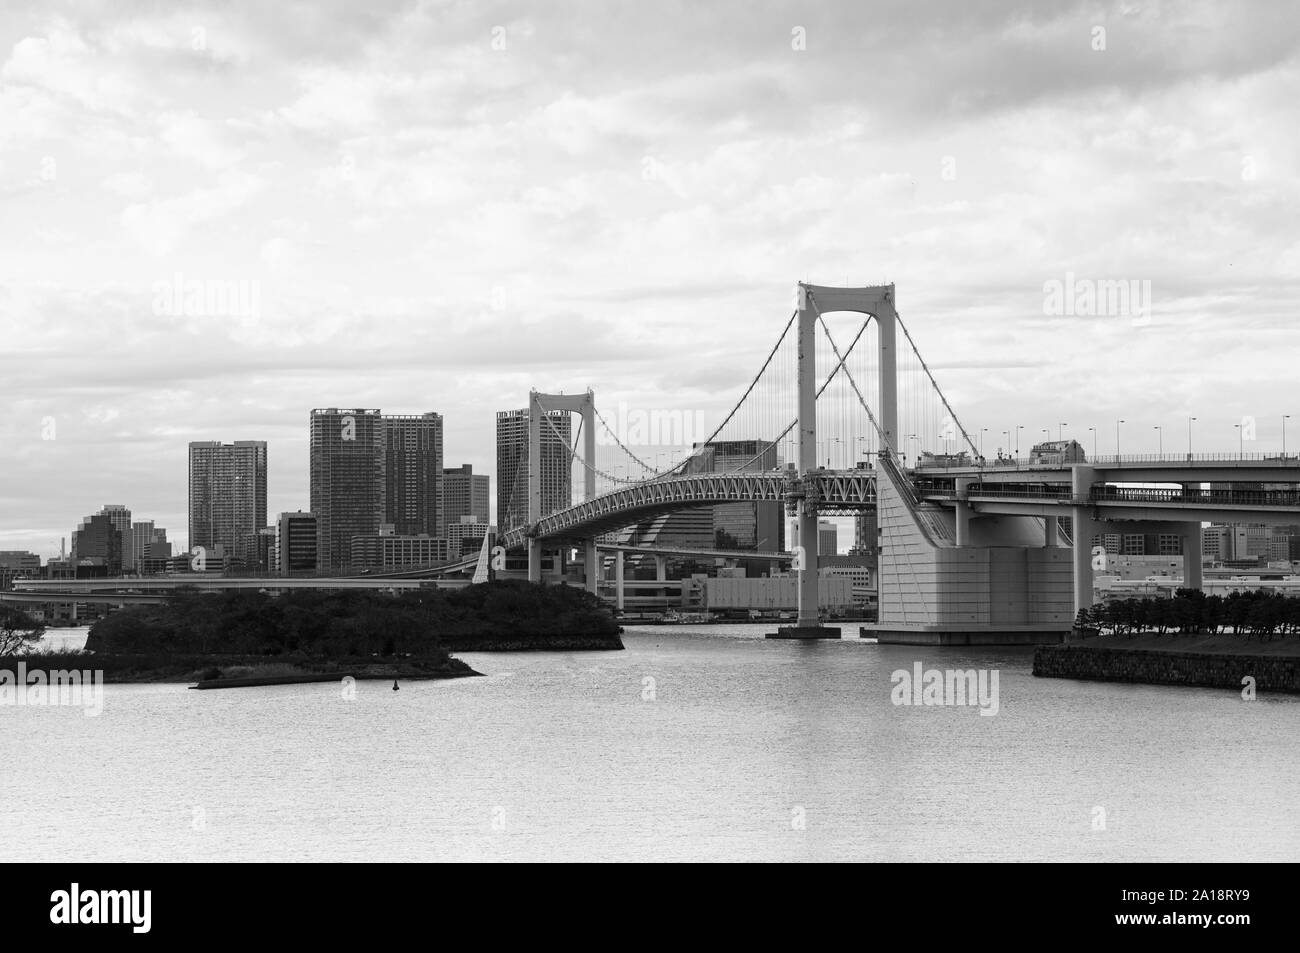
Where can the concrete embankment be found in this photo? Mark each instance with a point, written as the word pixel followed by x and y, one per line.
pixel 1204 661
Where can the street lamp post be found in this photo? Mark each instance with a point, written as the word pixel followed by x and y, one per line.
pixel 1241 442
pixel 1060 433
pixel 1160 434
pixel 1093 431
pixel 1117 423
pixel 1019 427
pixel 983 431
pixel 1285 418
pixel 1189 437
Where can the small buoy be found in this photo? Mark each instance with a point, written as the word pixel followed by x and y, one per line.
pixel 395 688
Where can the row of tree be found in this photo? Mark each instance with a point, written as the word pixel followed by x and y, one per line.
pixel 347 624
pixel 1260 615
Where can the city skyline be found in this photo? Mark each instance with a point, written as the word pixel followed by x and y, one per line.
pixel 232 215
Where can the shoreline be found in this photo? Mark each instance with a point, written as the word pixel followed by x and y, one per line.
pixel 1194 661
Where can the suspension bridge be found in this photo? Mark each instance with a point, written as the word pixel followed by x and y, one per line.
pixel 970 551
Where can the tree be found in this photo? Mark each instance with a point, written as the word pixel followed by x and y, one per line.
pixel 19 632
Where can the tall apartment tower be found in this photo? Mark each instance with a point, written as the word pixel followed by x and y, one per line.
pixel 228 498
pixel 466 494
pixel 512 464
pixel 413 474
pixel 347 481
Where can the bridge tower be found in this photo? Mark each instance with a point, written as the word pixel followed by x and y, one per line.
pixel 538 405
pixel 812 302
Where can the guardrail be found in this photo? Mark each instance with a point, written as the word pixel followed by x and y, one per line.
pixel 1050 462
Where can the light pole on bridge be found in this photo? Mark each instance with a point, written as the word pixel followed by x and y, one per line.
pixel 1060 433
pixel 1189 437
pixel 1160 436
pixel 1241 442
pixel 983 431
pixel 1117 423
pixel 1285 418
pixel 1019 427
pixel 1093 431
pixel 1007 435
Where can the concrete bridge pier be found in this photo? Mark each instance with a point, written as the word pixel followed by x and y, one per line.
pixel 1051 527
pixel 620 597
pixel 1081 481
pixel 1193 575
pixel 591 566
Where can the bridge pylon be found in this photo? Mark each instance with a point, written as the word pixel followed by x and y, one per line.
pixel 812 302
pixel 540 404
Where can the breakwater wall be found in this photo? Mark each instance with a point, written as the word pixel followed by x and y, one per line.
pixel 1271 673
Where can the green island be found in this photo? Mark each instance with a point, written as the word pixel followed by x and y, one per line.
pixel 247 637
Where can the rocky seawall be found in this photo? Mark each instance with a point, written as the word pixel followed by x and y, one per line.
pixel 1216 669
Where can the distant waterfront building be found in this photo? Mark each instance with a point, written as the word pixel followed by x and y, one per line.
pixel 466 536
pixel 828 538
pixel 413 474
pixel 865 532
pixel 227 505
pixel 98 543
pixel 347 455
pixel 295 544
pixel 144 545
pixel 556 465
pixel 743 525
pixel 388 550
pixel 466 494
pixel 20 561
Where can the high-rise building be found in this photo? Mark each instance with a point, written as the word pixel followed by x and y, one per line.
pixel 295 543
pixel 347 481
pixel 466 494
pixel 744 525
pixel 413 475
pixel 98 543
pixel 828 538
pixel 556 465
pixel 865 532
pixel 228 498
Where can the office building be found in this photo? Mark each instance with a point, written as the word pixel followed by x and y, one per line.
pixel 828 538
pixel 97 544
pixel 466 493
pixel 228 499
pixel 295 544
pixel 465 537
pixel 389 550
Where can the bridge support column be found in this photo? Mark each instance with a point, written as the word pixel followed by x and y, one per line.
pixel 620 598
pixel 1051 526
pixel 1081 481
pixel 591 566
pixel 1193 553
pixel 661 568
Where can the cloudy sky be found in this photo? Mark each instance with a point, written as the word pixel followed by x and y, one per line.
pixel 438 205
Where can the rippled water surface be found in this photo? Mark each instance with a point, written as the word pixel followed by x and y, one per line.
pixel 704 744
